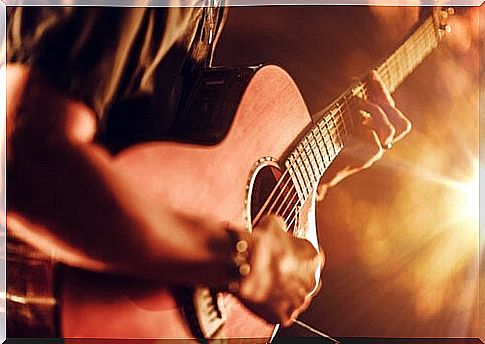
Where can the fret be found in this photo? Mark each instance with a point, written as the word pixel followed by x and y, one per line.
pixel 303 171
pixel 299 172
pixel 296 180
pixel 397 64
pixel 338 136
pixel 406 61
pixel 332 142
pixel 346 101
pixel 329 140
pixel 415 52
pixel 306 164
pixel 341 118
pixel 383 71
pixel 326 138
pixel 324 145
pixel 299 176
pixel 313 160
pixel 432 37
pixel 321 164
pixel 400 64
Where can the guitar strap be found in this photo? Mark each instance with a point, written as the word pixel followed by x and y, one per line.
pixel 202 52
pixel 32 306
pixel 149 117
pixel 211 26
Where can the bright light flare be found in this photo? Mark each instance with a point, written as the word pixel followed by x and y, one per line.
pixel 471 191
pixel 467 207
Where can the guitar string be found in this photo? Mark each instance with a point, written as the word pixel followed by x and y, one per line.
pixel 422 34
pixel 281 178
pixel 324 139
pixel 286 172
pixel 385 74
pixel 320 333
pixel 421 45
pixel 396 55
pixel 403 65
pixel 314 330
pixel 289 215
pixel 324 136
pixel 418 36
pixel 292 200
pixel 306 144
pixel 295 209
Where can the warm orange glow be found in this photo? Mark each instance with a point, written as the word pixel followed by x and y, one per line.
pixel 406 232
pixel 470 208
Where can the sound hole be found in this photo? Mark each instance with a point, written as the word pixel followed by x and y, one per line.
pixel 282 202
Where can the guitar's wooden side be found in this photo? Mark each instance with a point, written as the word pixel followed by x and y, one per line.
pixel 209 181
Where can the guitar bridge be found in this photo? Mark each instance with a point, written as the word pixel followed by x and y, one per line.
pixel 209 311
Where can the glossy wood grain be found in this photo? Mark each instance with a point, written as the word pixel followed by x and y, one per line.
pixel 209 181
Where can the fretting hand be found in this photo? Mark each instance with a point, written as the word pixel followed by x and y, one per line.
pixel 382 126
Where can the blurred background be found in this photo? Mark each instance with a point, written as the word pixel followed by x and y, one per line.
pixel 401 238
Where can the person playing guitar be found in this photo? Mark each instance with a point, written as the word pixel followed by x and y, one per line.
pixel 67 195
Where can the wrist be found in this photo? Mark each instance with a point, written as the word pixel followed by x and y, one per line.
pixel 239 260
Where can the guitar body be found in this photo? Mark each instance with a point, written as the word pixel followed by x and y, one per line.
pixel 256 127
pixel 223 181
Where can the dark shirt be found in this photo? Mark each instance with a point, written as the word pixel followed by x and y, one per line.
pixel 106 56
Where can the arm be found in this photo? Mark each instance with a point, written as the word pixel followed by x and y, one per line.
pixel 95 218
pixel 66 198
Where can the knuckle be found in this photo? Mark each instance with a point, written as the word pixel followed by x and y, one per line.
pixel 301 300
pixel 378 152
pixel 408 126
pixel 388 132
pixel 264 222
pixel 373 108
pixel 280 222
pixel 284 315
pixel 322 257
pixel 403 128
pixel 392 130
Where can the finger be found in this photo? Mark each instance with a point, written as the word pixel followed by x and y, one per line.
pixel 378 121
pixel 272 222
pixel 377 92
pixel 306 303
pixel 322 191
pixel 400 122
pixel 279 223
pixel 265 223
pixel 298 299
pixel 302 308
pixel 368 151
pixel 319 287
pixel 285 312
pixel 322 257
pixel 363 150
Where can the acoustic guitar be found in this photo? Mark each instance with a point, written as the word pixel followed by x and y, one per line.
pixel 232 172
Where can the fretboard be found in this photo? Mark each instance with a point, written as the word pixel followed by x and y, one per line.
pixel 324 140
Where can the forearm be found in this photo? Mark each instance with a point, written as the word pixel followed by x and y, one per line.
pixel 93 217
pixel 65 196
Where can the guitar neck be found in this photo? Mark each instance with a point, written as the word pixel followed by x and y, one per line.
pixel 397 67
pixel 322 141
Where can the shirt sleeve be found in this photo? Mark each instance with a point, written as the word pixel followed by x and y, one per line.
pixel 101 54
pixel 84 52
